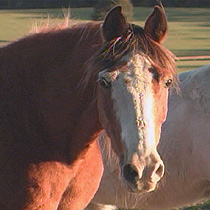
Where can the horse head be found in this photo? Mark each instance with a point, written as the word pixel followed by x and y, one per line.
pixel 135 72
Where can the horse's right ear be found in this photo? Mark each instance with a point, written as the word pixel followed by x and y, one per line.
pixel 114 24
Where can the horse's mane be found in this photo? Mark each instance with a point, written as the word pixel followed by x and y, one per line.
pixel 107 151
pixel 133 39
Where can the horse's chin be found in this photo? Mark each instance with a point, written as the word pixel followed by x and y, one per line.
pixel 139 187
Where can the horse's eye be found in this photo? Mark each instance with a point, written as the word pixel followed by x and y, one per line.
pixel 168 83
pixel 104 83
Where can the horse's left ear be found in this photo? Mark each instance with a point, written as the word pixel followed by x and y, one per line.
pixel 114 24
pixel 156 24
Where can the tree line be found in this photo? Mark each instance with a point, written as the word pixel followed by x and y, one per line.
pixel 21 4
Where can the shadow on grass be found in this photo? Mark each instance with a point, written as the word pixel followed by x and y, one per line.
pixel 204 206
pixel 4 41
pixel 75 13
pixel 191 52
pixel 200 38
pixel 42 17
pixel 183 15
pixel 140 13
pixel 176 14
pixel 207 24
pixel 188 66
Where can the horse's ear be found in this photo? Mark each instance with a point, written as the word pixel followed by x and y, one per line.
pixel 114 24
pixel 156 24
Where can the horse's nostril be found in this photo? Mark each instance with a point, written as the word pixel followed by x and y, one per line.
pixel 160 170
pixel 130 174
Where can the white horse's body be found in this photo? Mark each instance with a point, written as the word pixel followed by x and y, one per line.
pixel 184 148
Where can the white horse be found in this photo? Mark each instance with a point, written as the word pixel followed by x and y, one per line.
pixel 184 148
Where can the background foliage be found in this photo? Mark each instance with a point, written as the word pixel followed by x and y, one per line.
pixel 102 6
pixel 20 4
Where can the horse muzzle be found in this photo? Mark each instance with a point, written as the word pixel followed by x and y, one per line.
pixel 142 179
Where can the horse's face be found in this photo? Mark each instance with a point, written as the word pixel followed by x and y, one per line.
pixel 132 103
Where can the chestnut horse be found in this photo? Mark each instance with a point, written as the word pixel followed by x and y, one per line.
pixel 60 89
pixel 185 149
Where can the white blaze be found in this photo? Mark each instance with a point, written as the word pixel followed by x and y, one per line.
pixel 133 103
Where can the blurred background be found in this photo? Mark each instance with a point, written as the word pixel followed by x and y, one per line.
pixel 20 4
pixel 189 21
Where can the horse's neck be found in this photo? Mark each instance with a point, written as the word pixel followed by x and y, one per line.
pixel 87 126
pixel 86 131
pixel 49 68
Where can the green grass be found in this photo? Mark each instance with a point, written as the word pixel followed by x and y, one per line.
pixel 189 33
pixel 189 29
pixel 203 206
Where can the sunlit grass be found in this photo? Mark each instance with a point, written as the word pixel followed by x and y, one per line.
pixel 17 23
pixel 189 29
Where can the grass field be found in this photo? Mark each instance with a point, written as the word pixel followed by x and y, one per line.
pixel 189 29
pixel 189 32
